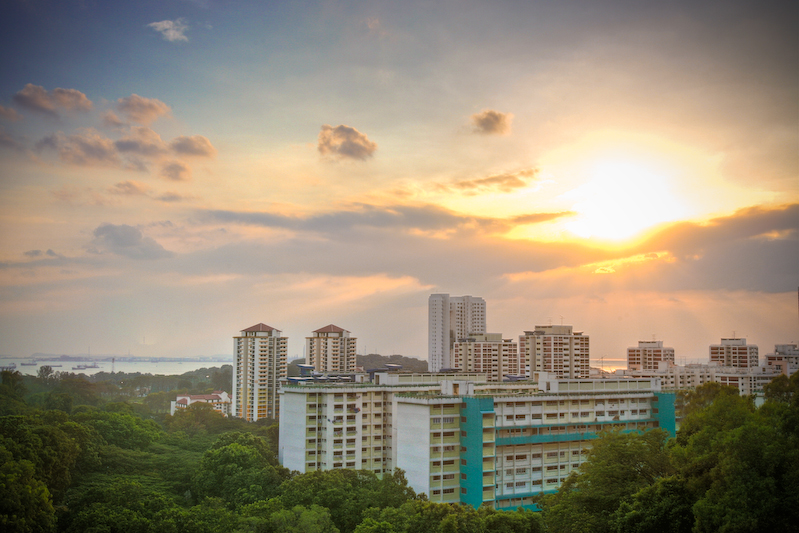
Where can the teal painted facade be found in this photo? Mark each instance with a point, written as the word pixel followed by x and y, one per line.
pixel 472 411
pixel 667 411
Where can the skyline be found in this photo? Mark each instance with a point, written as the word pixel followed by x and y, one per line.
pixel 174 172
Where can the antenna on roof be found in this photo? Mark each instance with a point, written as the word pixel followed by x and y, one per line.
pixel 561 320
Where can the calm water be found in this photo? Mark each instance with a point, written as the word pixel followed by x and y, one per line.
pixel 145 367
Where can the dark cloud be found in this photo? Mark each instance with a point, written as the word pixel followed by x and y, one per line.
pixel 87 148
pixel 142 110
pixel 193 145
pixel 171 30
pixel 504 183
pixel 111 120
pixel 33 253
pixel 345 142
pixel 37 98
pixel 8 141
pixel 8 113
pixel 492 122
pixel 176 171
pixel 535 218
pixel 127 241
pixel 170 197
pixel 142 141
pixel 130 188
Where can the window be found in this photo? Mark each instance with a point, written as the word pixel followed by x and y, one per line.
pixel 449 491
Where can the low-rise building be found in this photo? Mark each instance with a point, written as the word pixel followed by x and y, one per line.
pixel 219 400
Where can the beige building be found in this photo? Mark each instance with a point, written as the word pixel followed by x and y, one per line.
pixel 490 354
pixel 259 354
pixel 558 350
pixel 649 355
pixel 331 349
pixel 735 353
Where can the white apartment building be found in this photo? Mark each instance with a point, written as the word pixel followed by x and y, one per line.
pixel 488 353
pixel 219 401
pixel 259 354
pixel 785 355
pixel 555 349
pixel 748 381
pixel 331 349
pixel 451 318
pixel 347 425
pixel 459 437
pixel 649 355
pixel 734 352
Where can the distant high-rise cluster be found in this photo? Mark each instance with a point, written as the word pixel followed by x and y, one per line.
pixel 451 318
pixel 260 362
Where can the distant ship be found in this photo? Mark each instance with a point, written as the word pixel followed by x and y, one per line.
pixel 29 364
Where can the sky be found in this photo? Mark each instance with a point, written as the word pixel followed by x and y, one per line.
pixel 174 171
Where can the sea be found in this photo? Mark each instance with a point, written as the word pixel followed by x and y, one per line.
pixel 165 368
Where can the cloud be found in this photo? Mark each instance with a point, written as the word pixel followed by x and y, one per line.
pixel 193 145
pixel 127 241
pixel 345 142
pixel 171 30
pixel 8 141
pixel 504 183
pixel 142 110
pixel 36 98
pixel 112 120
pixel 537 218
pixel 176 171
pixel 142 141
pixel 130 188
pixel 492 122
pixel 8 113
pixel 170 197
pixel 87 148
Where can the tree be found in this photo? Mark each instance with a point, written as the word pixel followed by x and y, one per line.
pixel 25 503
pixel 299 519
pixel 618 466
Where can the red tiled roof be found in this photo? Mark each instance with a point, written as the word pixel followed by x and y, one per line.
pixel 182 401
pixel 330 329
pixel 259 327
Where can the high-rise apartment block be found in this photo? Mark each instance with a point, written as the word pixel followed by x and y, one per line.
pixel 735 353
pixel 649 355
pixel 460 438
pixel 489 353
pixel 785 357
pixel 451 318
pixel 555 349
pixel 259 354
pixel 331 349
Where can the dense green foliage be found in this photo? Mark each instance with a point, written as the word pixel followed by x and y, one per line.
pixel 82 456
pixel 732 468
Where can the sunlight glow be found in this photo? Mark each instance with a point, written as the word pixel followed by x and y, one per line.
pixel 622 199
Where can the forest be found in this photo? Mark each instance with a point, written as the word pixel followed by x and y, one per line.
pixel 103 455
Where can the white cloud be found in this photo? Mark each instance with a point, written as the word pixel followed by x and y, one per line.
pixel 171 30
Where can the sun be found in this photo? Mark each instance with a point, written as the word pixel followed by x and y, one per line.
pixel 622 199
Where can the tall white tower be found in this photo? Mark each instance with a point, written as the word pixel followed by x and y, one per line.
pixel 259 354
pixel 451 318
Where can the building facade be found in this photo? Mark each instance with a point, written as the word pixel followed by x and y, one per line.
pixel 649 355
pixel 735 353
pixel 785 356
pixel 488 353
pixel 219 401
pixel 260 361
pixel 451 318
pixel 558 350
pixel 331 349
pixel 461 438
